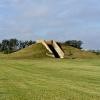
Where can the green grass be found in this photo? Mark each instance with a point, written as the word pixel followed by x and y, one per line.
pixel 30 75
pixel 50 79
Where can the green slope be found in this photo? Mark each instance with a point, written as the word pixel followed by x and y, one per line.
pixel 31 52
pixel 39 51
pixel 71 52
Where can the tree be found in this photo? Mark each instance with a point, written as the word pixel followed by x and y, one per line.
pixel 31 42
pixel 13 44
pixel 21 45
pixel 5 46
pixel 74 43
pixel 0 46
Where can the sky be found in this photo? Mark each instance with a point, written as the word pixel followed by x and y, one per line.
pixel 60 20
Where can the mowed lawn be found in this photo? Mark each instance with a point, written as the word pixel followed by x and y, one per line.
pixel 50 79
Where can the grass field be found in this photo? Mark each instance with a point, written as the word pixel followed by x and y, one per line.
pixel 50 79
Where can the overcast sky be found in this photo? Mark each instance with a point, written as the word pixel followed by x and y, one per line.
pixel 51 19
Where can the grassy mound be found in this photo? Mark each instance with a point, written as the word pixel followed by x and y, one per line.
pixel 31 52
pixel 39 51
pixel 71 52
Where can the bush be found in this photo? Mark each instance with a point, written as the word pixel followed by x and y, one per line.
pixel 74 43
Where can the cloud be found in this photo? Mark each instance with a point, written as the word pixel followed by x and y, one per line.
pixel 51 19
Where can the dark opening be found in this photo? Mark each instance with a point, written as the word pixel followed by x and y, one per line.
pixel 59 44
pixel 54 51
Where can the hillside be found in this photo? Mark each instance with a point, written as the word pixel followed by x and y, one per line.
pixel 31 52
pixel 71 52
pixel 39 51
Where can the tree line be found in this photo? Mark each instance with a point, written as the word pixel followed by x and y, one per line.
pixel 73 43
pixel 12 45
